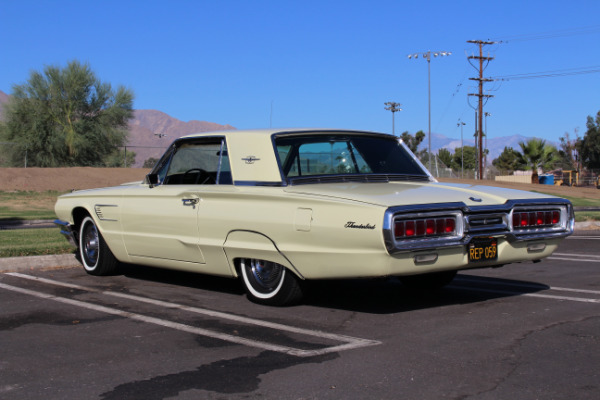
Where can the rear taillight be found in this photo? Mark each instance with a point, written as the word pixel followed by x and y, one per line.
pixel 535 219
pixel 424 227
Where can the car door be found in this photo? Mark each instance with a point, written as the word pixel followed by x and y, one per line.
pixel 160 222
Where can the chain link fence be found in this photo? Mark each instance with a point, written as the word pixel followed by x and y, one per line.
pixel 145 156
pixel 129 156
pixel 558 177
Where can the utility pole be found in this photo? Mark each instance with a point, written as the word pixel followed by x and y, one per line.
pixel 481 96
pixel 394 108
pixel 486 114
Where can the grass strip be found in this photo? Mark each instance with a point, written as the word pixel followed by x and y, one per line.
pixel 27 205
pixel 578 201
pixel 33 242
pixel 583 216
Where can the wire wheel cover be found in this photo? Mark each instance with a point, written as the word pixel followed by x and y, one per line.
pixel 90 244
pixel 265 276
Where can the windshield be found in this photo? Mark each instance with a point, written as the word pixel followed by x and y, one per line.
pixel 343 155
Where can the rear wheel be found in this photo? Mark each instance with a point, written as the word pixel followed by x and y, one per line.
pixel 269 283
pixel 431 281
pixel 96 257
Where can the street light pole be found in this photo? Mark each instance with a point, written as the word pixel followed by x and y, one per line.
pixel 393 107
pixel 427 56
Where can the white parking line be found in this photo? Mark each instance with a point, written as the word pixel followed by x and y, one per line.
pixel 571 255
pixel 561 289
pixel 575 257
pixel 539 287
pixel 545 296
pixel 571 259
pixel 348 341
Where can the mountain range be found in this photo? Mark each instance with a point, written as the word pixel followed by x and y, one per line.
pixel 151 132
pixel 494 145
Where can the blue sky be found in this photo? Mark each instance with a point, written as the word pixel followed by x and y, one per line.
pixel 255 64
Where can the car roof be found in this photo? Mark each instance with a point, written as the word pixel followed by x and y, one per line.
pixel 291 131
pixel 251 153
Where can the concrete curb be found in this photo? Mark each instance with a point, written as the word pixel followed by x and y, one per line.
pixel 21 264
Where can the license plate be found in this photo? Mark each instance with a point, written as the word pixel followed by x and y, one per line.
pixel 483 249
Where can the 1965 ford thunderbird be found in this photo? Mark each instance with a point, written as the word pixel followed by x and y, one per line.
pixel 277 207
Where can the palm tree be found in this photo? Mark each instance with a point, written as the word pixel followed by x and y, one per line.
pixel 536 154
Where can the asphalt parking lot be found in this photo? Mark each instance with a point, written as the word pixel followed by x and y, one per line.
pixel 526 331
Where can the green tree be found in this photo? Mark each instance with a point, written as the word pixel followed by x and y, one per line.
pixel 66 117
pixel 536 154
pixel 507 160
pixel 445 156
pixel 411 141
pixel 469 156
pixel 590 144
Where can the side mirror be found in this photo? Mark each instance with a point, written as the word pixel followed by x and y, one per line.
pixel 152 179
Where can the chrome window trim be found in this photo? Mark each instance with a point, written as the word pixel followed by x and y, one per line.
pixel 427 176
pixel 167 157
pixel 260 183
pixel 419 163
pixel 466 213
pixel 220 161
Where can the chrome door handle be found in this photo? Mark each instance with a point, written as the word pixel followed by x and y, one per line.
pixel 190 202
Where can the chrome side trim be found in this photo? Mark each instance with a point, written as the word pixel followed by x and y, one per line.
pixel 359 178
pixel 500 217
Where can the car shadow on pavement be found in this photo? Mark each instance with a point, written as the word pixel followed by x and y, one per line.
pixel 385 296
pixel 375 296
pixel 182 278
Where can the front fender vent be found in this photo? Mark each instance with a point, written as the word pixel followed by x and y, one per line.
pixel 106 212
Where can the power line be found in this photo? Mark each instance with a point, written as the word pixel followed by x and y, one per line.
pixel 550 74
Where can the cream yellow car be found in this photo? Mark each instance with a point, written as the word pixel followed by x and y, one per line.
pixel 278 207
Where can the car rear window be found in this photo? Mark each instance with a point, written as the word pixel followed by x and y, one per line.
pixel 313 155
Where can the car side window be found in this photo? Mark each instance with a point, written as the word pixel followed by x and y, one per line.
pixel 199 163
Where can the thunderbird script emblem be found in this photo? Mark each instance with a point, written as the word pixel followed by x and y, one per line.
pixel 354 225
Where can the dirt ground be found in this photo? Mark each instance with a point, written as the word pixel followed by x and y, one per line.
pixel 66 179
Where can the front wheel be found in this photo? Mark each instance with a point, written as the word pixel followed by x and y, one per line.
pixel 96 257
pixel 269 283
